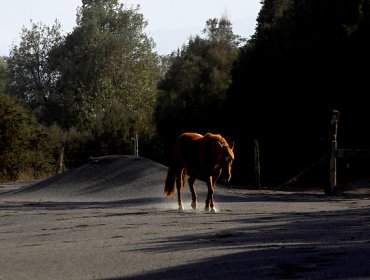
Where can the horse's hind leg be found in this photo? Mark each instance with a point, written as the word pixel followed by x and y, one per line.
pixel 193 194
pixel 180 179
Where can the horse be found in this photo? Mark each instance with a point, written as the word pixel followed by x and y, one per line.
pixel 209 157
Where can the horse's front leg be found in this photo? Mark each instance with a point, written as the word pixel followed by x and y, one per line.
pixel 180 179
pixel 193 194
pixel 210 206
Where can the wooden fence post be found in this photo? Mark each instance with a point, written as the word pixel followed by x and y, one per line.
pixel 61 166
pixel 136 145
pixel 332 154
pixel 257 163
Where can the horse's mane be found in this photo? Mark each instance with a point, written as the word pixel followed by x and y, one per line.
pixel 213 146
pixel 208 136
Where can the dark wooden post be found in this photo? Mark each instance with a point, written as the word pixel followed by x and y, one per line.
pixel 257 164
pixel 136 145
pixel 61 166
pixel 332 154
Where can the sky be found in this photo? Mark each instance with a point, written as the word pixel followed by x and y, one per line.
pixel 170 22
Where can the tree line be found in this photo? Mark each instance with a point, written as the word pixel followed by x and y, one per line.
pixel 305 59
pixel 97 87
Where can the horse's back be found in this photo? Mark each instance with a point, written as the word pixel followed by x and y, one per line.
pixel 187 139
pixel 189 136
pixel 187 150
pixel 192 146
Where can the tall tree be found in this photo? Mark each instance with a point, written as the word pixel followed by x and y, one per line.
pixel 2 74
pixel 30 76
pixel 303 60
pixel 194 88
pixel 108 58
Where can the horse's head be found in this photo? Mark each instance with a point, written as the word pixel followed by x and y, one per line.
pixel 225 159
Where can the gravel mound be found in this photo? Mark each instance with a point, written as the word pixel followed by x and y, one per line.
pixel 109 178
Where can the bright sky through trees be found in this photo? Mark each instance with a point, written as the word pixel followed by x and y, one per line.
pixel 171 22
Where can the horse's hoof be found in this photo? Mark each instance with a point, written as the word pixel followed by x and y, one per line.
pixel 181 208
pixel 214 211
pixel 194 206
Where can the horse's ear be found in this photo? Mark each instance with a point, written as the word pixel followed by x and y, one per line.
pixel 232 145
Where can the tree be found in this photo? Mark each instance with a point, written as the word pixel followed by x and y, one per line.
pixel 30 76
pixel 193 90
pixel 305 59
pixel 2 74
pixel 107 59
pixel 23 146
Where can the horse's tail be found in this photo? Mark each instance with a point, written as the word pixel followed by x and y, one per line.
pixel 169 187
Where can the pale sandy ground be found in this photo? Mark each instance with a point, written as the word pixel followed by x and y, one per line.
pixel 109 220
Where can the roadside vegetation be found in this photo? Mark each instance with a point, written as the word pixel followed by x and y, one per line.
pixel 92 91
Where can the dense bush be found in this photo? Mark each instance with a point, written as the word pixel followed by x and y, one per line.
pixel 29 150
pixel 24 146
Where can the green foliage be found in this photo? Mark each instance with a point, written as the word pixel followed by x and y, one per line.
pixel 110 130
pixel 195 84
pixel 30 76
pixel 23 147
pixel 2 74
pixel 357 29
pixel 306 58
pixel 76 144
pixel 101 78
pixel 107 59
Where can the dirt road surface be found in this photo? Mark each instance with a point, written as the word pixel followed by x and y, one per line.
pixel 109 219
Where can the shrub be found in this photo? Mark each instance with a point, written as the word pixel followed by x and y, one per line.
pixel 24 145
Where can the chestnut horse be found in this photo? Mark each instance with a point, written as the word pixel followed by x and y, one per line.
pixel 209 157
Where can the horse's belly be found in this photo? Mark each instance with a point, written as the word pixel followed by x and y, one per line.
pixel 197 171
pixel 192 170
